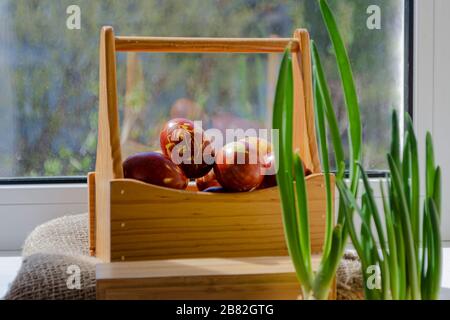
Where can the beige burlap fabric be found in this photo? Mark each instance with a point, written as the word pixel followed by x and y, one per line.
pixel 66 235
pixel 53 254
pixel 47 276
pixel 56 250
pixel 349 278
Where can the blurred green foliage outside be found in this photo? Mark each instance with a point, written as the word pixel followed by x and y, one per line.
pixel 49 74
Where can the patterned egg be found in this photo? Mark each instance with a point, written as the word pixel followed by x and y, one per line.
pixel 186 147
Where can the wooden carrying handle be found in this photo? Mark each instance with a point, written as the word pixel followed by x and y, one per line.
pixel 206 45
pixel 109 156
pixel 305 141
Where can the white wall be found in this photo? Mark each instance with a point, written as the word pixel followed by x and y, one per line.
pixel 441 112
pixel 432 88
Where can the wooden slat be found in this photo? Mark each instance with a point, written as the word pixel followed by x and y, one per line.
pixel 260 278
pixel 109 159
pixel 91 192
pixel 205 45
pixel 306 66
pixel 150 222
pixel 196 267
pixel 264 278
pixel 300 138
pixel 250 287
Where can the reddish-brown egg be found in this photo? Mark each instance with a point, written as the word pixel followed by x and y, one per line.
pixel 187 146
pixel 155 168
pixel 207 181
pixel 270 178
pixel 264 146
pixel 269 181
pixel 238 167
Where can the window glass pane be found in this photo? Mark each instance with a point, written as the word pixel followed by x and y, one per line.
pixel 49 73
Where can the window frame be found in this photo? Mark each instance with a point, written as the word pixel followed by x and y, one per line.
pixel 44 180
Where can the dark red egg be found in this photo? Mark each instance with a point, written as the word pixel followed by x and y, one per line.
pixel 207 181
pixel 155 168
pixel 270 178
pixel 269 181
pixel 187 147
pixel 238 167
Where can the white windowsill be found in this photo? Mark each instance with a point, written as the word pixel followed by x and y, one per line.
pixel 10 264
pixel 42 194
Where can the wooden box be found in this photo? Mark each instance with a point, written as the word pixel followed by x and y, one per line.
pixel 132 221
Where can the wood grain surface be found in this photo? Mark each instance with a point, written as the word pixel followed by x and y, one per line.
pixel 206 45
pixel 109 159
pixel 151 223
pixel 262 278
